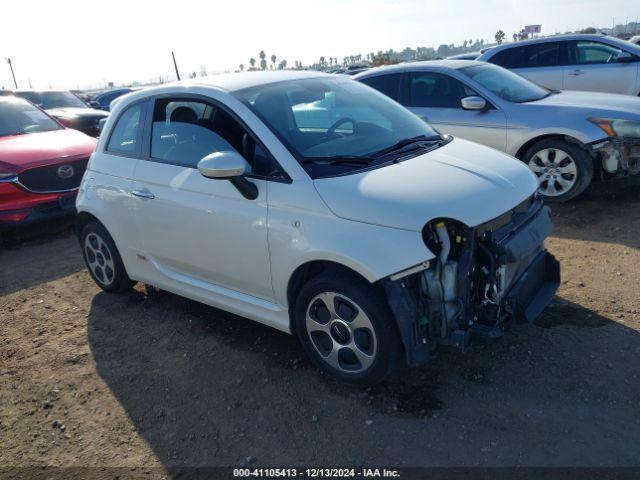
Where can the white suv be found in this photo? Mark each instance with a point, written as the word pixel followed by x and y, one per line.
pixel 318 206
pixel 573 62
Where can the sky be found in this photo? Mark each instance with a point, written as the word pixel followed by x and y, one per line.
pixel 80 44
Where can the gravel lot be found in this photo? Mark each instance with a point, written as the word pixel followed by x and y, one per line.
pixel 92 379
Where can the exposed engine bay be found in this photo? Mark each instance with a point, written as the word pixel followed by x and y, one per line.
pixel 619 157
pixel 481 280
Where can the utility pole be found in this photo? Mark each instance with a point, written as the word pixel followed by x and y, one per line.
pixel 12 74
pixel 175 65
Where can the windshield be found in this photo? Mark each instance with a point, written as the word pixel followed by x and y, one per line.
pixel 335 122
pixel 18 117
pixel 506 84
pixel 49 100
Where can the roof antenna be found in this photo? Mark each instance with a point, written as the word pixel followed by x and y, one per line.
pixel 175 65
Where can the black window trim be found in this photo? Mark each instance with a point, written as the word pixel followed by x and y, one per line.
pixel 145 154
pixel 563 53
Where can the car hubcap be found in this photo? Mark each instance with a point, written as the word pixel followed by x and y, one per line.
pixel 556 171
pixel 341 332
pixel 99 259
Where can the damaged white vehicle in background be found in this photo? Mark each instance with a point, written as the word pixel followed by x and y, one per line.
pixel 316 205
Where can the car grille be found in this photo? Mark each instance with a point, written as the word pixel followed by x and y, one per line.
pixel 54 178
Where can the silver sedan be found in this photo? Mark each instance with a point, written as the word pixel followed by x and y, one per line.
pixel 567 138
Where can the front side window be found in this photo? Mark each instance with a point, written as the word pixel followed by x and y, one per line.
pixel 590 53
pixel 387 84
pixel 124 138
pixel 185 131
pixel 506 84
pixel 436 90
pixel 333 125
pixel 18 117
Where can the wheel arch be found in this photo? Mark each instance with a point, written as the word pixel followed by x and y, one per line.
pixel 548 136
pixel 308 270
pixel 83 218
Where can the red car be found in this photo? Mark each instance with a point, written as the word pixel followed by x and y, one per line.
pixel 41 164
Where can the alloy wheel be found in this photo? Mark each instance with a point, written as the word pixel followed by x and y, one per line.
pixel 99 259
pixel 556 171
pixel 341 332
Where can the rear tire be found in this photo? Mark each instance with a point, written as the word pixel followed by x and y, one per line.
pixel 564 169
pixel 347 329
pixel 103 259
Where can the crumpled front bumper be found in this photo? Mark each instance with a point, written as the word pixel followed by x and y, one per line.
pixel 618 156
pixel 535 288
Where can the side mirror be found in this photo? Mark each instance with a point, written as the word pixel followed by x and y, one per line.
pixel 473 103
pixel 625 57
pixel 95 104
pixel 230 166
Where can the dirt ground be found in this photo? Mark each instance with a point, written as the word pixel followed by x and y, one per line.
pixel 146 381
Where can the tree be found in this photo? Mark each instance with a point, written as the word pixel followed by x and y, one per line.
pixel 464 44
pixel 522 35
pixel 263 61
pixel 241 67
pixel 499 36
pixel 321 62
pixel 589 30
pixel 282 65
pixel 515 37
pixel 273 60
pixel 252 62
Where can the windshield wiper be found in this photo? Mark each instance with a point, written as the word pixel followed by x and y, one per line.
pixel 405 142
pixel 340 160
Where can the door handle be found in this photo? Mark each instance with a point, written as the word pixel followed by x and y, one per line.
pixel 576 73
pixel 144 193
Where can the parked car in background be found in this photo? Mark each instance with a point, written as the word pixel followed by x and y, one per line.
pixel 573 62
pixel 104 99
pixel 355 226
pixel 67 108
pixel 566 138
pixel 635 40
pixel 465 56
pixel 41 164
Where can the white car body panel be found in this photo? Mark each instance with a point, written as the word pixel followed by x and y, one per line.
pixel 395 196
pixel 201 239
pixel 622 78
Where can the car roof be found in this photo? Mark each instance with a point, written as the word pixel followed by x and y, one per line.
pixel 43 90
pixel 233 82
pixel 12 98
pixel 431 64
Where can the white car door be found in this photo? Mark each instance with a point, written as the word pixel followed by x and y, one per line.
pixel 436 98
pixel 594 66
pixel 197 232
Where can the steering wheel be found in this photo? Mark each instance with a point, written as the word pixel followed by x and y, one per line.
pixel 332 129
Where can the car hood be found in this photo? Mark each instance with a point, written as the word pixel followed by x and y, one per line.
pixel 599 103
pixel 78 112
pixel 20 152
pixel 462 180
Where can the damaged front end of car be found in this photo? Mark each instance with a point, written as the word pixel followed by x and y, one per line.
pixel 481 280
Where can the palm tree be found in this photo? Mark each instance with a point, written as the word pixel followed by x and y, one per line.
pixel 252 62
pixel 263 61
pixel 241 67
pixel 321 62
pixel 499 36
pixel 273 60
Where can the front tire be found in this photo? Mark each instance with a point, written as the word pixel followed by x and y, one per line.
pixel 564 169
pixel 347 329
pixel 103 259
